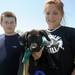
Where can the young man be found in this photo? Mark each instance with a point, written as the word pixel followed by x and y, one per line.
pixel 11 46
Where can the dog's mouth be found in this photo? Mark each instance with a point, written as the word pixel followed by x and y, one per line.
pixel 34 47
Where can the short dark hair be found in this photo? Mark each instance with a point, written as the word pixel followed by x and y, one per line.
pixel 8 14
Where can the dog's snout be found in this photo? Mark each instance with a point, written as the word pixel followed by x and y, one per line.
pixel 33 45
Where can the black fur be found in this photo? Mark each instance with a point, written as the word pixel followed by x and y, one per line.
pixel 34 41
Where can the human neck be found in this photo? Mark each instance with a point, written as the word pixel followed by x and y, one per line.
pixel 10 34
pixel 54 28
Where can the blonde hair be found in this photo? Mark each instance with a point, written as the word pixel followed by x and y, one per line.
pixel 58 3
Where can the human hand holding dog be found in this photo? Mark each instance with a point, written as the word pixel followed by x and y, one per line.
pixel 73 73
pixel 37 55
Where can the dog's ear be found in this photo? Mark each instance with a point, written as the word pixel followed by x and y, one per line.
pixel 44 33
pixel 25 35
pixel 25 38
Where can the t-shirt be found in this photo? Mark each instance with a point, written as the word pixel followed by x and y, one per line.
pixel 10 51
pixel 58 58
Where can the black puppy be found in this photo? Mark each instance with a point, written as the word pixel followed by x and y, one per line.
pixel 34 40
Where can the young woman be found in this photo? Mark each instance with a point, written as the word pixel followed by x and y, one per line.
pixel 64 36
pixel 62 45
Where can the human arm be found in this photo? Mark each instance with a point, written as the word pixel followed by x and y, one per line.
pixel 25 69
pixel 37 55
pixel 73 73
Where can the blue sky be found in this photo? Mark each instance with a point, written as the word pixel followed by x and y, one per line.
pixel 30 13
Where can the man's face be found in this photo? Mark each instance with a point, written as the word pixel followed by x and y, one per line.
pixel 8 24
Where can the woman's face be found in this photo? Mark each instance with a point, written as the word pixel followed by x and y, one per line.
pixel 53 16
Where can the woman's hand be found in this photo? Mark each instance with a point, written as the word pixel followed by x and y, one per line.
pixel 37 55
pixel 73 73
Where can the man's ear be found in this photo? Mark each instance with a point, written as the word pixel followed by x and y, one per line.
pixel 44 33
pixel 0 19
